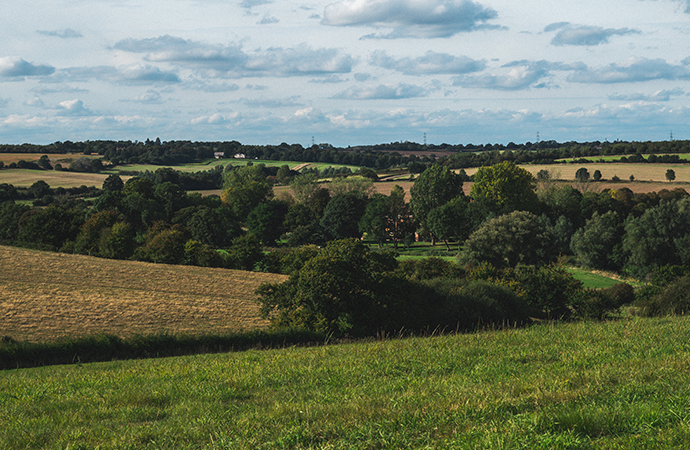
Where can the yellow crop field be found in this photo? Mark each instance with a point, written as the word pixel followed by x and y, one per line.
pixel 45 296
pixel 55 179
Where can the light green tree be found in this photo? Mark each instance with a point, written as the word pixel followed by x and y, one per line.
pixel 505 187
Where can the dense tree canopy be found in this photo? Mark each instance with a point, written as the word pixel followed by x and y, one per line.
pixel 506 241
pixel 505 187
pixel 434 187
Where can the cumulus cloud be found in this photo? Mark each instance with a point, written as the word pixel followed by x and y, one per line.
pixel 67 33
pixel 584 35
pixel 232 61
pixel 430 63
pixel 215 119
pixel 411 18
pixel 18 68
pixel 382 92
pixel 73 108
pixel 515 76
pixel 633 70
pixel 663 95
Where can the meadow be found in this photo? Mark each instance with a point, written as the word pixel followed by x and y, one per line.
pixel 611 385
pixel 46 296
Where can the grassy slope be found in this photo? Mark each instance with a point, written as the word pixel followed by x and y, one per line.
pixel 45 296
pixel 579 386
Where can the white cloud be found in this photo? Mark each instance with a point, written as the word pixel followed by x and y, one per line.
pixel 73 108
pixel 430 63
pixel 18 68
pixel 585 35
pixel 382 92
pixel 663 95
pixel 631 71
pixel 410 18
pixel 232 61
pixel 513 76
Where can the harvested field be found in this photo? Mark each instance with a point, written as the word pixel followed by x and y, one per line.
pixel 55 179
pixel 9 158
pixel 45 296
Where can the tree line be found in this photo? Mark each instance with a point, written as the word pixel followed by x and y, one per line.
pixel 380 156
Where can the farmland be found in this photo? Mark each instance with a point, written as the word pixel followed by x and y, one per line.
pixel 51 295
pixel 611 385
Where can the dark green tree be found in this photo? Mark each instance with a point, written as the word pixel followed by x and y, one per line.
pixel 10 213
pixel 54 226
pixel 506 241
pixel 594 244
pixel 341 216
pixel 449 221
pixel 244 252
pixel 113 183
pixel 266 221
pixel 344 289
pixel 658 237
pixel 670 175
pixel 434 187
pixel 374 222
pixel 245 188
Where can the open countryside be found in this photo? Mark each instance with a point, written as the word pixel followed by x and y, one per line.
pixel 532 314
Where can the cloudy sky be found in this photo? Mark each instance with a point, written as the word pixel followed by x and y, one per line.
pixel 345 72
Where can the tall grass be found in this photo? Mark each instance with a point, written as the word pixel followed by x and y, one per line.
pixel 614 385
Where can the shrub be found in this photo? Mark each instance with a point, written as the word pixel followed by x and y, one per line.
pixel 674 299
pixel 428 268
pixel 596 304
pixel 549 289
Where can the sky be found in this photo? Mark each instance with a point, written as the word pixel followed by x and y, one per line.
pixel 348 72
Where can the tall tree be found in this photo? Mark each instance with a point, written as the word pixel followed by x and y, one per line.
pixel 245 188
pixel 505 187
pixel 506 241
pixel 434 187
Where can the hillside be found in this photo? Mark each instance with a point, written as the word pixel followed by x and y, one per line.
pixel 45 296
pixel 611 385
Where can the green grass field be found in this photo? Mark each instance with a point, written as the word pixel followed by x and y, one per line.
pixel 615 385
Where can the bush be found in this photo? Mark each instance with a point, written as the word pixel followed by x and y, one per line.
pixel 673 300
pixel 480 304
pixel 596 304
pixel 428 268
pixel 549 289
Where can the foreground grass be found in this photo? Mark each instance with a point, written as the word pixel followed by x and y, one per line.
pixel 578 386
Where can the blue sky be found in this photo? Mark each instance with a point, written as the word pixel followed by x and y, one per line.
pixel 346 72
